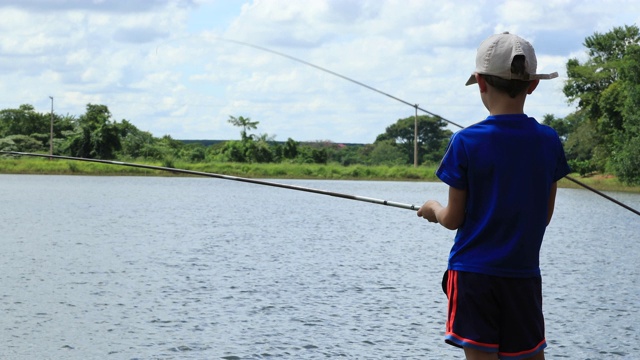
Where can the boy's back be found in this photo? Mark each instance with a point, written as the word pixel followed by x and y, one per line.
pixel 507 163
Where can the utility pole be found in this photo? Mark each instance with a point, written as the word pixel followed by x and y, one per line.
pixel 51 132
pixel 415 138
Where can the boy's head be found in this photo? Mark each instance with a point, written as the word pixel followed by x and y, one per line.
pixel 508 63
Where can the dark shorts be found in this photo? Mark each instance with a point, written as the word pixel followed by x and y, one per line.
pixel 495 314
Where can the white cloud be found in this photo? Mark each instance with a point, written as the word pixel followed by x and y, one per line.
pixel 107 6
pixel 149 65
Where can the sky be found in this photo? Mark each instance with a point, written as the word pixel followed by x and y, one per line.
pixel 168 67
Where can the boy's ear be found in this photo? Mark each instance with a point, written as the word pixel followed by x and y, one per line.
pixel 532 86
pixel 482 84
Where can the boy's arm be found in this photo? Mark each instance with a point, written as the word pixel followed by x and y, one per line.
pixel 552 201
pixel 450 216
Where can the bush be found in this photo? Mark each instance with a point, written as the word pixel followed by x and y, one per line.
pixel 21 143
pixel 626 163
pixel 582 167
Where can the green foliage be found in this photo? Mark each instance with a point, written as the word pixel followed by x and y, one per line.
pixel 95 135
pixel 26 121
pixel 319 156
pixel 563 126
pixel 604 134
pixel 582 167
pixel 626 162
pixel 245 124
pixel 349 154
pixel 23 121
pixel 290 149
pixel 385 152
pixel 136 144
pixel 22 143
pixel 234 151
pixel 193 152
pixel 432 138
pixel 258 151
pixel 168 162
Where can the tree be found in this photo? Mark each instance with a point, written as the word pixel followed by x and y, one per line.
pixel 234 151
pixel 432 137
pixel 290 149
pixel 20 143
pixel 601 86
pixel 245 124
pixel 386 153
pixel 562 126
pixel 133 141
pixel 95 136
pixel 625 161
pixel 259 150
pixel 193 152
pixel 319 156
pixel 23 121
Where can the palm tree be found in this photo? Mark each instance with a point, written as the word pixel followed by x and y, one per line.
pixel 244 123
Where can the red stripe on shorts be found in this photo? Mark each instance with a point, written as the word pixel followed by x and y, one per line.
pixel 453 299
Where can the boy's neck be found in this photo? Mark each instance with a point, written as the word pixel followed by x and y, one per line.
pixel 511 107
pixel 499 103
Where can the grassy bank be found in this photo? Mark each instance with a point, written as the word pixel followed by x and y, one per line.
pixel 273 171
pixel 599 182
pixel 269 171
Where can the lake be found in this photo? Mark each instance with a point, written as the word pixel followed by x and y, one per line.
pixel 199 268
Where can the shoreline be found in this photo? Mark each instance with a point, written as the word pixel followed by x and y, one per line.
pixel 24 166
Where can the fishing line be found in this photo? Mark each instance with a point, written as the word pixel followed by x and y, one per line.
pixel 338 75
pixel 225 177
pixel 410 104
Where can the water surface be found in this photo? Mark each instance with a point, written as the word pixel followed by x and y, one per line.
pixel 197 268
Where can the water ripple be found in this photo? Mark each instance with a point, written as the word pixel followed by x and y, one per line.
pixel 185 268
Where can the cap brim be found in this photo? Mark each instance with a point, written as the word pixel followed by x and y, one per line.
pixel 472 80
pixel 553 75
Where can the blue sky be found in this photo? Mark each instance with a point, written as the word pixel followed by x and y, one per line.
pixel 161 64
pixel 214 15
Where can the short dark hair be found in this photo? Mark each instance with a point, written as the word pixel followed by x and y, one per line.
pixel 511 87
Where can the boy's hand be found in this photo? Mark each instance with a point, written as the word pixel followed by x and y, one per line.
pixel 428 210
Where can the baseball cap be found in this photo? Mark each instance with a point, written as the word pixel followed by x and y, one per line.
pixel 496 53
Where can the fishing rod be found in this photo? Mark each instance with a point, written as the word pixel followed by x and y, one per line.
pixel 603 195
pixel 225 177
pixel 413 106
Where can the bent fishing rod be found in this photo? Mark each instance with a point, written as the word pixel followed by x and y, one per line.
pixel 413 106
pixel 225 177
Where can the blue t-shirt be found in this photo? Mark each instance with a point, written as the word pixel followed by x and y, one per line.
pixel 507 163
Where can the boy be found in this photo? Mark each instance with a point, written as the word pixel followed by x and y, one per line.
pixel 502 175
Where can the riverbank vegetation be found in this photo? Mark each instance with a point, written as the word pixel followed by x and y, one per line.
pixel 24 165
pixel 601 138
pixel 40 166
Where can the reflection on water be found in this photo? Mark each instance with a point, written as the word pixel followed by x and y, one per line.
pixel 190 268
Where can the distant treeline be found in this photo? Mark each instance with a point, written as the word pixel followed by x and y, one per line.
pixel 207 143
pixel 95 134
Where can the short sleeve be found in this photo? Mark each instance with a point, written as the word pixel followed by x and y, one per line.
pixel 562 168
pixel 453 167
